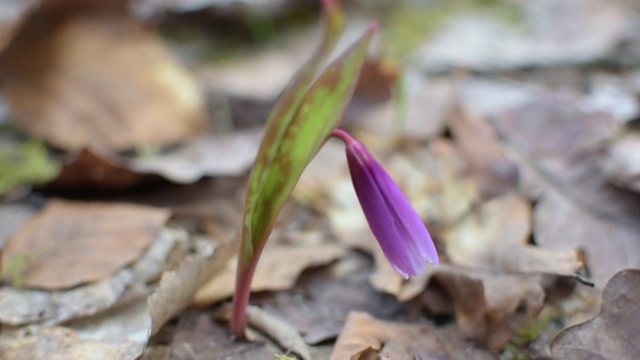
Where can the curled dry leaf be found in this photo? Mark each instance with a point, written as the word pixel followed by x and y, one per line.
pixel 97 76
pixel 278 269
pixel 613 333
pixel 71 243
pixel 365 337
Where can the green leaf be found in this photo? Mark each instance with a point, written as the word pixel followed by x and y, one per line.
pixel 284 110
pixel 297 127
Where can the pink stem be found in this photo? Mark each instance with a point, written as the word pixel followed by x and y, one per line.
pixel 244 276
pixel 343 135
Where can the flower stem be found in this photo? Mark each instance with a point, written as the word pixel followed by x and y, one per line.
pixel 343 135
pixel 244 276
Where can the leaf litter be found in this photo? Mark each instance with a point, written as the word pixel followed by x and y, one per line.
pixel 525 188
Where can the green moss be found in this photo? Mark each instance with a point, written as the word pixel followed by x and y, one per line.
pixel 26 162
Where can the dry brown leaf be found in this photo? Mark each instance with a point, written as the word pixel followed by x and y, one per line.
pixel 99 168
pixel 612 334
pixel 280 331
pixel 321 299
pixel 96 76
pixel 609 243
pixel 177 287
pixel 621 161
pixel 278 269
pixel 496 238
pixel 71 243
pixel 228 154
pixel 480 146
pixel 12 14
pixel 578 208
pixel 64 343
pixel 198 336
pixel 20 307
pixel 12 216
pixel 365 337
pixel 542 36
pixel 485 303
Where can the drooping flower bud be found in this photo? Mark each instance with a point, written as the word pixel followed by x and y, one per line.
pixel 402 235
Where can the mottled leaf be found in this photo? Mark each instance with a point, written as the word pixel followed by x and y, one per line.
pixel 298 126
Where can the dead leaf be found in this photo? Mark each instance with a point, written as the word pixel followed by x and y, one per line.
pixel 229 154
pixel 318 304
pixel 578 208
pixel 496 237
pixel 612 334
pixel 96 76
pixel 12 14
pixel 60 247
pixel 64 343
pixel 486 303
pixel 620 161
pixel 198 336
pixel 12 216
pixel 210 154
pixel 480 146
pixel 278 269
pixel 21 307
pixel 98 168
pixel 540 36
pixel 177 288
pixel 364 337
pixel 279 330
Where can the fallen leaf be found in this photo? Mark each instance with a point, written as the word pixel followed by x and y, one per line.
pixel 12 216
pixel 46 308
pixel 25 163
pixel 97 168
pixel 71 243
pixel 557 147
pixel 229 154
pixel 365 337
pixel 278 269
pixel 612 334
pixel 539 37
pixel 12 15
pixel 496 237
pixel 321 299
pixel 620 161
pixel 486 303
pixel 177 288
pixel 479 144
pixel 96 76
pixel 64 343
pixel 283 333
pixel 198 336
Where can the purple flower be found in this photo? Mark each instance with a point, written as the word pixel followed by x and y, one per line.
pixel 402 235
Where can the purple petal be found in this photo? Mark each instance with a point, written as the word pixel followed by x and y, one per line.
pixel 401 233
